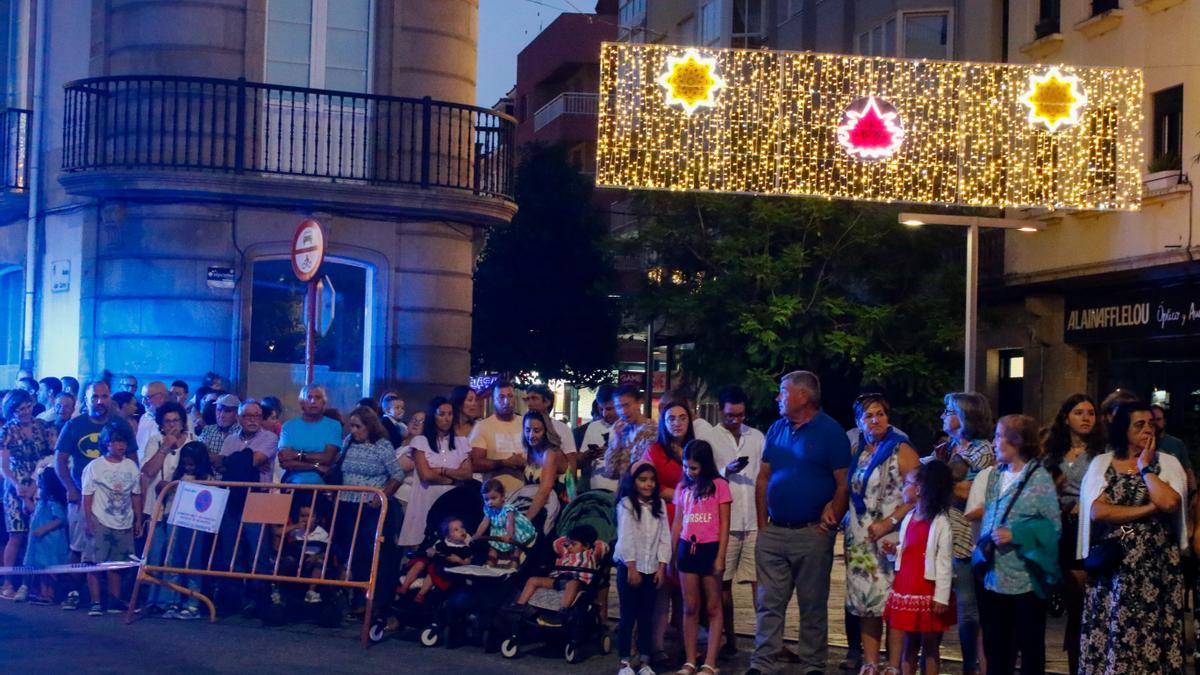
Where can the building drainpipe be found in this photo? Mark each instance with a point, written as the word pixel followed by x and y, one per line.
pixel 34 157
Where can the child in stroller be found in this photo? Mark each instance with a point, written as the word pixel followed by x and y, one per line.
pixel 507 528
pixel 579 555
pixel 454 548
pixel 542 611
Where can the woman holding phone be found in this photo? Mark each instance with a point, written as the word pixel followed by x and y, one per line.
pixel 882 457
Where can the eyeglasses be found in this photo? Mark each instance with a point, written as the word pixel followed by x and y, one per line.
pixel 949 411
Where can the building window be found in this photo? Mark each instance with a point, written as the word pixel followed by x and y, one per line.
pixel 324 44
pixel 710 22
pixel 1101 6
pixel 879 41
pixel 1168 129
pixel 631 21
pixel 926 35
pixel 1012 382
pixel 749 29
pixel 1048 17
pixel 12 284
pixel 787 9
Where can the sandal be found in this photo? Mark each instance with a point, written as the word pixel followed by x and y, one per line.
pixel 686 669
pixel 869 669
pixel 709 669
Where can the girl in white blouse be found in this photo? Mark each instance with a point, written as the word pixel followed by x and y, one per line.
pixel 642 553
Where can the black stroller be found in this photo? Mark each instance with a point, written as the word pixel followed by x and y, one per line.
pixel 465 503
pixel 582 624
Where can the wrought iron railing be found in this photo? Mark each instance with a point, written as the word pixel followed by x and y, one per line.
pixel 248 127
pixel 14 149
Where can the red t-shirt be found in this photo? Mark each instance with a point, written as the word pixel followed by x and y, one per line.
pixel 669 471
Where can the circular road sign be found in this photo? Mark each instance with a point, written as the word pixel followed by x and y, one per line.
pixel 308 250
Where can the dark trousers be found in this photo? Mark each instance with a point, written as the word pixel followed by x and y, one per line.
pixel 364 545
pixel 1013 624
pixel 637 606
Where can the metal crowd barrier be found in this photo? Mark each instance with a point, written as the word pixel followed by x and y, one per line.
pixel 267 505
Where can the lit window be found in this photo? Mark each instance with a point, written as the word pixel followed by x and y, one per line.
pixel 1014 367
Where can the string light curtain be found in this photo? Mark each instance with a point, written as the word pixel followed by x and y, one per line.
pixel 969 134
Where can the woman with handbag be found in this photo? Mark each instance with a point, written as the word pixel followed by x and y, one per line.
pixel 1073 439
pixel 1132 528
pixel 1016 557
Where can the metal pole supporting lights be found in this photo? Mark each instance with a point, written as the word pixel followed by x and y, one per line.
pixel 973 224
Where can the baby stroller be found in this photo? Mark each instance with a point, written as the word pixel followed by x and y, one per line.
pixel 465 503
pixel 582 623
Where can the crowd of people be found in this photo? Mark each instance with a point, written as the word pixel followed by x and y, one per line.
pixel 976 534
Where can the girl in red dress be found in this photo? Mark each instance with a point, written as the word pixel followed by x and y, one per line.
pixel 920 607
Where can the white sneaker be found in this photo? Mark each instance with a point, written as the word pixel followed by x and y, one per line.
pixel 22 594
pixel 626 669
pixel 645 670
pixel 312 597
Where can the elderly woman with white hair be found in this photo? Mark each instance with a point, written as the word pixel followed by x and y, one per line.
pixel 309 445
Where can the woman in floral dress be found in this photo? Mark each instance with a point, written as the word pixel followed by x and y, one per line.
pixel 24 440
pixel 882 457
pixel 1133 616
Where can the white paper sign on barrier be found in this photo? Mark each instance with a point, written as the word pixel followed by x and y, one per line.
pixel 199 507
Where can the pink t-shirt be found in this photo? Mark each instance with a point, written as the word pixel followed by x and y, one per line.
pixel 702 517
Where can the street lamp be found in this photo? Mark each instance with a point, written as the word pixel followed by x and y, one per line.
pixel 972 223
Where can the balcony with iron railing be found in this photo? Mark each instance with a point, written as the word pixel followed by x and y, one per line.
pixel 237 139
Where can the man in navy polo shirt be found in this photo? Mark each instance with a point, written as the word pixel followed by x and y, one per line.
pixel 801 494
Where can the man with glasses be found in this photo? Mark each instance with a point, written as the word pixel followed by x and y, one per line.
pixel 737 449
pixel 251 434
pixel 154 394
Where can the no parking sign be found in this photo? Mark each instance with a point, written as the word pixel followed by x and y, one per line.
pixel 199 507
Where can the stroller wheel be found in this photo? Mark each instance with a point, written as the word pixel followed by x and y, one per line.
pixel 377 633
pixel 606 644
pixel 509 648
pixel 571 653
pixel 430 637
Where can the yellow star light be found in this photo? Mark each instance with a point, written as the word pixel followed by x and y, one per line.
pixel 691 81
pixel 1054 99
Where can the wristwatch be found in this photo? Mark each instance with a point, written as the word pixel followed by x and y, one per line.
pixel 1144 470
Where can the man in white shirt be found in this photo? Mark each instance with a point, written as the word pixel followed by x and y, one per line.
pixel 738 451
pixel 154 394
pixel 595 440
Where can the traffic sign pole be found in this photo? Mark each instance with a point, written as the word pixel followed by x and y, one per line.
pixel 308 251
pixel 310 332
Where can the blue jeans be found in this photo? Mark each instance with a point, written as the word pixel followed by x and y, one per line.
pixel 968 613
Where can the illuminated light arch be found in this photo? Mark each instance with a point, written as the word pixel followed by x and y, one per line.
pixel 1054 100
pixel 691 81
pixel 871 129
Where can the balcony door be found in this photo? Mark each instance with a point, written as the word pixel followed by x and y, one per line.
pixel 317 44
pixel 277 333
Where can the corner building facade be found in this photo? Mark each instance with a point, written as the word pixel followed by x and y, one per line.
pixel 169 151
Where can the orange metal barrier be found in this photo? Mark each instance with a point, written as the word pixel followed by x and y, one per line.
pixel 267 505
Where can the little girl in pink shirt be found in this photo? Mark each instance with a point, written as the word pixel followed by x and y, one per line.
pixel 701 529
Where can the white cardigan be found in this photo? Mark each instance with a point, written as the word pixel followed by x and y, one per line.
pixel 939 554
pixel 1171 473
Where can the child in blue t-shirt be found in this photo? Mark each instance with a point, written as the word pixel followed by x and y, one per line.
pixel 504 525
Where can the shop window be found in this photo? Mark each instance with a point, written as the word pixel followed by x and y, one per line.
pixel 1168 129
pixel 1011 398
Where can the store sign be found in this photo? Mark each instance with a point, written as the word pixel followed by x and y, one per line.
pixel 1151 313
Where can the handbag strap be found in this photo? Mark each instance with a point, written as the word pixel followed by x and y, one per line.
pixel 1020 488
